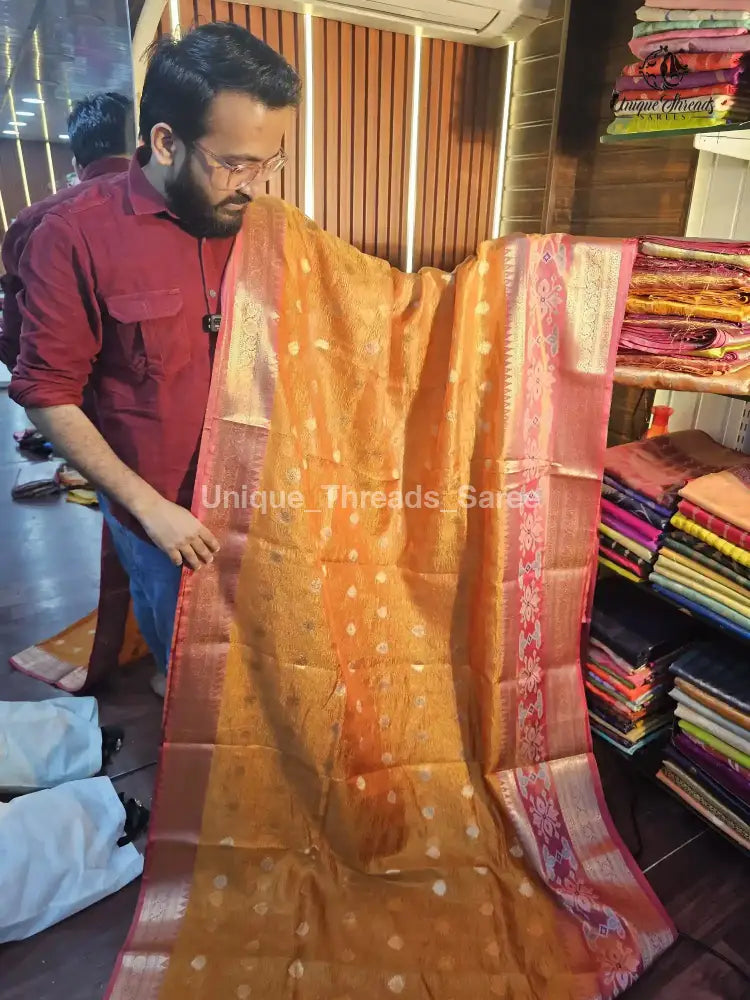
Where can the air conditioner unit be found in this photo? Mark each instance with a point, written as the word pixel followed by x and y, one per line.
pixel 487 22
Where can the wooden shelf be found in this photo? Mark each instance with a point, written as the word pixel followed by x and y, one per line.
pixel 733 384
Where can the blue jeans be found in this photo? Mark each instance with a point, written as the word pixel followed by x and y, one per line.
pixel 154 585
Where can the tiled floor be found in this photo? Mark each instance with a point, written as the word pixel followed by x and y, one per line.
pixel 48 577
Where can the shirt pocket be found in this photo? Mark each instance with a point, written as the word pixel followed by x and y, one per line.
pixel 151 335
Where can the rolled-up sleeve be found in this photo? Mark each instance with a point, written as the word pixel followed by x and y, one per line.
pixel 61 322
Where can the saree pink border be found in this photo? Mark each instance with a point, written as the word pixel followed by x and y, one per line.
pixel 193 697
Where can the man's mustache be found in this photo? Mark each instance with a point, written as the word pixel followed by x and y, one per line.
pixel 236 199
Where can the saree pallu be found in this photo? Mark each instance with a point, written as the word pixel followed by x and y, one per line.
pixel 726 599
pixel 729 774
pixel 699 4
pixel 684 699
pixel 667 275
pixel 700 40
pixel 706 780
pixel 641 509
pixel 704 804
pixel 611 513
pixel 715 704
pixel 635 495
pixel 619 570
pixel 667 552
pixel 646 124
pixel 377 776
pixel 728 253
pixel 707 554
pixel 700 14
pixel 694 600
pixel 688 27
pixel 739 555
pixel 696 306
pixel 694 62
pixel 708 739
pixel 718 668
pixel 724 494
pixel 659 467
pixel 675 336
pixel 718 525
pixel 619 554
pixel 627 543
pixel 720 81
pixel 733 361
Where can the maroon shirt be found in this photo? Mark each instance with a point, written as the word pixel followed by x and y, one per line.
pixel 113 293
pixel 15 242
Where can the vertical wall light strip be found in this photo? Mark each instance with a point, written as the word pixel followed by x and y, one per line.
pixel 174 17
pixel 19 151
pixel 3 216
pixel 309 206
pixel 43 113
pixel 411 191
pixel 502 154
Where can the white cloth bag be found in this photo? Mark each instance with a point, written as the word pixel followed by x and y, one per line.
pixel 44 743
pixel 59 854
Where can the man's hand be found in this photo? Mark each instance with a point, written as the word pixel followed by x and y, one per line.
pixel 175 531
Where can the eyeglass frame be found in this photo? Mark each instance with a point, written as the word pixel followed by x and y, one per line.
pixel 261 168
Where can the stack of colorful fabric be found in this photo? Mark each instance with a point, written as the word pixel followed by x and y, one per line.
pixel 690 74
pixel 688 307
pixel 640 494
pixel 634 639
pixel 708 761
pixel 705 561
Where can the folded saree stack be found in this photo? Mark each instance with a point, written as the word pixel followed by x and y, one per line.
pixel 704 563
pixel 640 494
pixel 688 308
pixel 690 73
pixel 707 763
pixel 634 639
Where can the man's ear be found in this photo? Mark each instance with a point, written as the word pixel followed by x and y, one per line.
pixel 163 144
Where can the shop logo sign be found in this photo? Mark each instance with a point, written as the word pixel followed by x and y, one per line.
pixel 662 70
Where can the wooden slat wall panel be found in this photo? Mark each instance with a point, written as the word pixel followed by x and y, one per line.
pixel 362 112
pixel 458 149
pixel 362 134
pixel 531 124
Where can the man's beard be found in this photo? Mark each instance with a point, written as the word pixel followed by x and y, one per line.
pixel 187 200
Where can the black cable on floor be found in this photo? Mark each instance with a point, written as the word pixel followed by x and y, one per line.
pixel 697 943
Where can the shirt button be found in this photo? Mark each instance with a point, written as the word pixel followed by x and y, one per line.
pixel 212 293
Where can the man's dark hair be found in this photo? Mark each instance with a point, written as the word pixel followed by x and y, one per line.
pixel 184 76
pixel 101 125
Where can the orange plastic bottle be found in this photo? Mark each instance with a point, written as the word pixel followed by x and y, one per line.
pixel 659 421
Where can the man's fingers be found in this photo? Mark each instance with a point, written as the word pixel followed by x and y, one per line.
pixel 202 551
pixel 209 539
pixel 189 556
pixel 175 556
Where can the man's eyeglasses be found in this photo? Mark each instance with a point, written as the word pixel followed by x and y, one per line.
pixel 238 174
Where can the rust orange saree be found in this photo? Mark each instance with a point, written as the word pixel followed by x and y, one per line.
pixel 377 777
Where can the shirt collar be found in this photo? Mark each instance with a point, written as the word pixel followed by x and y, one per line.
pixel 144 198
pixel 107 165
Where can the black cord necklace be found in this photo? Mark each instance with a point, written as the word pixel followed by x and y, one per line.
pixel 211 320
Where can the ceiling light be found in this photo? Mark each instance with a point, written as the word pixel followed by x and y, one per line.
pixel 25 114
pixel 32 100
pixel 19 124
pixel 10 131
pixel 62 135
